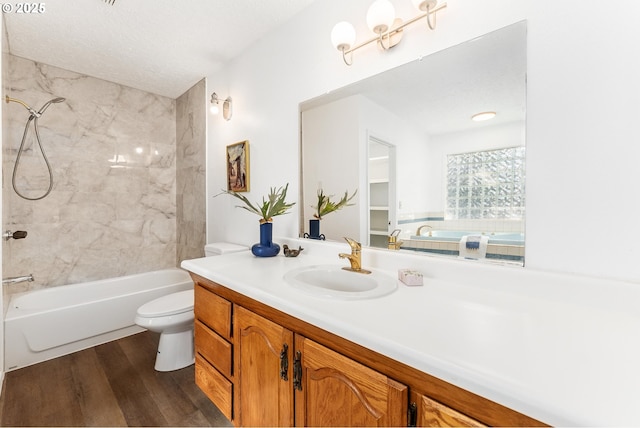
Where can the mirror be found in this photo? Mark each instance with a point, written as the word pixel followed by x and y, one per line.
pixel 449 185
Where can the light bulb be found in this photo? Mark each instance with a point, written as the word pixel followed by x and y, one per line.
pixel 380 16
pixel 214 109
pixel 343 36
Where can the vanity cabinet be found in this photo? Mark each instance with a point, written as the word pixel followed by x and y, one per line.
pixel 212 337
pixel 262 367
pixel 330 389
pixel 335 390
pixel 264 389
pixel 426 412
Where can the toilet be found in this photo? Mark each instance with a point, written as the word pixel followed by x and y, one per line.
pixel 172 317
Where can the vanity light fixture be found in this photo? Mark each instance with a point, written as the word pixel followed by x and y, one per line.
pixel 382 21
pixel 485 115
pixel 226 106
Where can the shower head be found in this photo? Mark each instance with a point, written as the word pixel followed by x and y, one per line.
pixel 47 104
pixel 34 114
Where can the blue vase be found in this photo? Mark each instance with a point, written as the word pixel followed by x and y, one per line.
pixel 314 230
pixel 266 247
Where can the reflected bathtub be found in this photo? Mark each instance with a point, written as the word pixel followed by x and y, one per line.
pixel 497 238
pixel 48 323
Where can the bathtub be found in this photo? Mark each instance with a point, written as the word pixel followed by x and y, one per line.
pixel 498 238
pixel 45 324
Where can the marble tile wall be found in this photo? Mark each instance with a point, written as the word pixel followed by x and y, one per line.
pixel 191 115
pixel 112 149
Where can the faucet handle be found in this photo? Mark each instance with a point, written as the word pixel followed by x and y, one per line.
pixel 355 245
pixel 18 234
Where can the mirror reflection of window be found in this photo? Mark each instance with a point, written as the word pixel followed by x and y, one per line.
pixel 486 185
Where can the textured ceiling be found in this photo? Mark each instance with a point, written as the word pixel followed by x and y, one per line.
pixel 160 46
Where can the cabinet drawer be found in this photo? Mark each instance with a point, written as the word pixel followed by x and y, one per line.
pixel 213 348
pixel 215 386
pixel 214 311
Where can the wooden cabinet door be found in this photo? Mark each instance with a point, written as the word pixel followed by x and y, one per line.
pixel 263 396
pixel 337 391
pixel 431 413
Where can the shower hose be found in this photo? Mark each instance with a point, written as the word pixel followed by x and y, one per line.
pixel 33 118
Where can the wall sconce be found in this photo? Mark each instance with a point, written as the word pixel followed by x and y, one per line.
pixel 226 106
pixel 382 21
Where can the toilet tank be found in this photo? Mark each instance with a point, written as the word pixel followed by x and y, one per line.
pixel 219 248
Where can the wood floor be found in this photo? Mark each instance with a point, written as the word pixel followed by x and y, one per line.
pixel 109 385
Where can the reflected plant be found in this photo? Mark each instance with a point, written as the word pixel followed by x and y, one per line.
pixel 326 206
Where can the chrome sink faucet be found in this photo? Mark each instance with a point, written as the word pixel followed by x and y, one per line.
pixel 355 258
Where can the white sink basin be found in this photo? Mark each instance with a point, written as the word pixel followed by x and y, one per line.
pixel 334 282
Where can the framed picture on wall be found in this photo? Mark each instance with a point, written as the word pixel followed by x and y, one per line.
pixel 238 167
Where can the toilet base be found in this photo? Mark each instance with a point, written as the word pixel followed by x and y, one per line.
pixel 175 351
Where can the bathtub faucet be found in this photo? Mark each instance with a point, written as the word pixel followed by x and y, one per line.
pixel 419 231
pixel 17 279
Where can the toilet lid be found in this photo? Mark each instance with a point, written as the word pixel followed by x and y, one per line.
pixel 170 304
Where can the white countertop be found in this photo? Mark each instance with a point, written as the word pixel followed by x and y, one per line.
pixel 562 349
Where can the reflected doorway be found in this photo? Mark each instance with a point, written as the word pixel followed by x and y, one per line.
pixel 381 177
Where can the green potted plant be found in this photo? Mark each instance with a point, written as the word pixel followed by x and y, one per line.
pixel 274 205
pixel 326 206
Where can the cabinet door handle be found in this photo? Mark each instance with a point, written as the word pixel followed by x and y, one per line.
pixel 297 371
pixel 284 362
pixel 412 419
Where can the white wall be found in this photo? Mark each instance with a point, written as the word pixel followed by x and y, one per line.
pixel 342 175
pixel 582 110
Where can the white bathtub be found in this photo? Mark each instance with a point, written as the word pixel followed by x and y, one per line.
pixel 45 324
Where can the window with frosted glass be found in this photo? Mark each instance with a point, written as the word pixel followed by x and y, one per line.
pixel 486 185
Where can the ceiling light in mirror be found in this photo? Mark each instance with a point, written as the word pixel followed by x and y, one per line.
pixel 485 115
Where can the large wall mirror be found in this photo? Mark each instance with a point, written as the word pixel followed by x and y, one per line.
pixel 429 178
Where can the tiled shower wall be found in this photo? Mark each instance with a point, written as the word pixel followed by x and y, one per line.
pixel 112 148
pixel 191 115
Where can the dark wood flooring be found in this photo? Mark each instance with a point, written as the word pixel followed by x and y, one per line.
pixel 109 385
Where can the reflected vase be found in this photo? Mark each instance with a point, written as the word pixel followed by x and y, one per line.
pixel 314 230
pixel 266 247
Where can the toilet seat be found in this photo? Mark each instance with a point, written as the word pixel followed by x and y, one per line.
pixel 171 304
